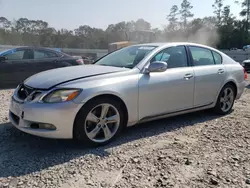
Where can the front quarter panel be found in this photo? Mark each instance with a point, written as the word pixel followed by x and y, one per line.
pixel 122 85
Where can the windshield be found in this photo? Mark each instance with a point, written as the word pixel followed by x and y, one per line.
pixel 127 57
pixel 3 52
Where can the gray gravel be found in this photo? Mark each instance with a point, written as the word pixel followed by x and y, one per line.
pixel 195 150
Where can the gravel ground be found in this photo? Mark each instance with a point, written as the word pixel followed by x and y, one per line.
pixel 194 150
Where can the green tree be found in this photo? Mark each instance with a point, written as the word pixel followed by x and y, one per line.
pixel 245 4
pixel 141 24
pixel 4 23
pixel 227 17
pixel 245 12
pixel 218 7
pixel 185 12
pixel 232 32
pixel 172 18
pixel 227 28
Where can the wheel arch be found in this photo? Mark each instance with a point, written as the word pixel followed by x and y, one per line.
pixel 113 96
pixel 231 82
pixel 217 106
pixel 228 82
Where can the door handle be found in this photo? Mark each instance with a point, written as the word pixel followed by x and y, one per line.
pixel 188 76
pixel 220 71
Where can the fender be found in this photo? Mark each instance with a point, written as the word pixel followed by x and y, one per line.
pixel 230 80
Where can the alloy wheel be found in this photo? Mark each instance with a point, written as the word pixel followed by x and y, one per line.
pixel 102 123
pixel 227 99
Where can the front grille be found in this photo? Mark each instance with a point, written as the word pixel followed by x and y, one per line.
pixel 24 91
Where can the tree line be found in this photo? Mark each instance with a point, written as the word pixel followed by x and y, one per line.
pixel 222 29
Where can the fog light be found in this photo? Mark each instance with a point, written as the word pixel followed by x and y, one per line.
pixel 34 126
pixel 42 126
pixel 47 126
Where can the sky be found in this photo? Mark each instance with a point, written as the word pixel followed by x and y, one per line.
pixel 70 14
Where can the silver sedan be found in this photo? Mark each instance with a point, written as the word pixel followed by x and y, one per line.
pixel 139 83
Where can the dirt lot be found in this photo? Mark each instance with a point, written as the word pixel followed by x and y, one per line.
pixel 195 150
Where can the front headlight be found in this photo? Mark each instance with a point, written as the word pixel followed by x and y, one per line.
pixel 61 95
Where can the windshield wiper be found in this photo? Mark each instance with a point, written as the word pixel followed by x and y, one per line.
pixel 103 65
pixel 129 66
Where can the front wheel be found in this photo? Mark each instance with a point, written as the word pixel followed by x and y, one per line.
pixel 225 100
pixel 99 122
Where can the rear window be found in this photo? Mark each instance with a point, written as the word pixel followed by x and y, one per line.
pixel 41 54
pixel 217 58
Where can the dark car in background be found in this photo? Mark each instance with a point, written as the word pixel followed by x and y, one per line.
pixel 17 64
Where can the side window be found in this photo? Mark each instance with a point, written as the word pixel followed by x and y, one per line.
pixel 40 54
pixel 217 58
pixel 158 56
pixel 17 55
pixel 174 56
pixel 165 57
pixel 201 56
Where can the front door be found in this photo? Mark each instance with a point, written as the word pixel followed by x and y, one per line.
pixel 169 91
pixel 14 70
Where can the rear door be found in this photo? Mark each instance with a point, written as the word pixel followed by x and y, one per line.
pixel 209 74
pixel 15 69
pixel 44 60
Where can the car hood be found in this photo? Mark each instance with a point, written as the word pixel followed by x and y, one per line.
pixel 54 77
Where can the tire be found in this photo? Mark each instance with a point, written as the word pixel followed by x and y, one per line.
pixel 219 108
pixel 83 125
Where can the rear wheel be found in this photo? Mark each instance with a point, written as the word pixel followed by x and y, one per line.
pixel 225 100
pixel 99 122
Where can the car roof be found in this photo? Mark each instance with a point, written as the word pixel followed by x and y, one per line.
pixel 55 50
pixel 160 44
pixel 168 44
pixel 34 47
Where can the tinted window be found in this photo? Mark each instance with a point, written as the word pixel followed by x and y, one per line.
pixel 217 58
pixel 201 56
pixel 40 54
pixel 174 56
pixel 165 57
pixel 158 56
pixel 18 55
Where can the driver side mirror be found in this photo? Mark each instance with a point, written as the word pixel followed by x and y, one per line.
pixel 157 66
pixel 2 58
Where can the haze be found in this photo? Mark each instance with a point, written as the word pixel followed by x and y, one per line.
pixel 70 14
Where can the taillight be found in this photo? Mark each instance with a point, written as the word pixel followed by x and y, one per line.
pixel 245 74
pixel 80 61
